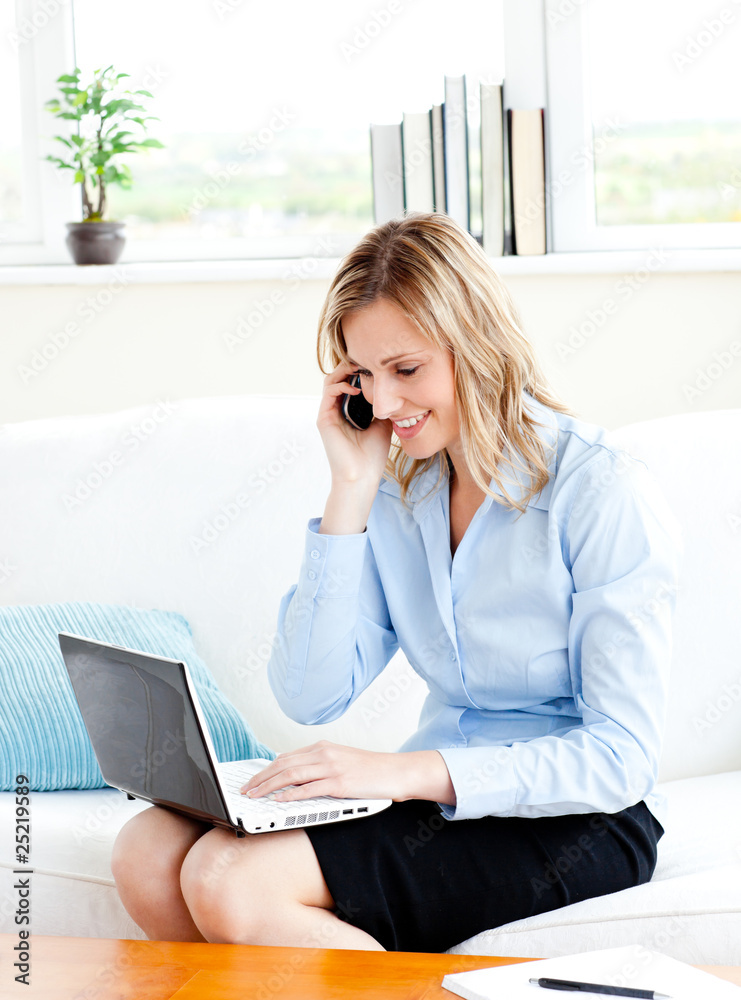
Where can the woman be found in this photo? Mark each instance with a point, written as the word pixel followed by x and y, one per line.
pixel 527 569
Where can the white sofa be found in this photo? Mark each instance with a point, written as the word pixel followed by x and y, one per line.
pixel 243 474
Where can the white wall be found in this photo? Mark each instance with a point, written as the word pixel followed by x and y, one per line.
pixel 636 358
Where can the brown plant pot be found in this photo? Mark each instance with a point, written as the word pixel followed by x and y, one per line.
pixel 95 242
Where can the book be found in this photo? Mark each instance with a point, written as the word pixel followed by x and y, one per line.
pixel 438 157
pixel 387 167
pixel 416 144
pixel 632 966
pixel 527 179
pixel 456 150
pixel 492 169
pixel 524 34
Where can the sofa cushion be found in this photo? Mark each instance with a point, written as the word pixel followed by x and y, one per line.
pixel 42 734
pixel 691 909
pixel 73 889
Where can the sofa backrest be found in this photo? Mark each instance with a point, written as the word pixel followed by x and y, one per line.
pixel 200 506
pixel 696 459
pixel 197 506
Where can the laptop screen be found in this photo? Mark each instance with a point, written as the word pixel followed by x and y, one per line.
pixel 143 727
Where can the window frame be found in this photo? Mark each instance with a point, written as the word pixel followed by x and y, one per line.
pixel 49 199
pixel 571 188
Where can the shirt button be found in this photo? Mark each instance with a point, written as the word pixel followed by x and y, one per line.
pixel 452 656
pixel 314 553
pixel 312 574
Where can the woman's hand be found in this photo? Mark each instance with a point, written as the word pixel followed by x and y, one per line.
pixel 345 772
pixel 354 456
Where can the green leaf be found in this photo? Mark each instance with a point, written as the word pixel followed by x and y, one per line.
pixel 145 92
pixel 118 136
pixel 78 140
pixel 67 143
pixel 68 78
pixel 60 163
pixel 152 143
pixel 80 99
pixel 79 177
pixel 116 106
pixel 121 75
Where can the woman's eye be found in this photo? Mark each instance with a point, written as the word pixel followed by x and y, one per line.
pixel 407 371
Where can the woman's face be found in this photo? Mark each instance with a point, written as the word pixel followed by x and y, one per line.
pixel 407 378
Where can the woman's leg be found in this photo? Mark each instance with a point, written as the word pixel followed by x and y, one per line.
pixel 147 857
pixel 264 889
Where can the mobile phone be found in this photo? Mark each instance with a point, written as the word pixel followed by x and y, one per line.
pixel 356 409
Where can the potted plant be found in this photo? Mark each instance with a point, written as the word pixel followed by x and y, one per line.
pixel 103 111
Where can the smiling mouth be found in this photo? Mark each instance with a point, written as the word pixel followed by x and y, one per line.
pixel 410 426
pixel 410 421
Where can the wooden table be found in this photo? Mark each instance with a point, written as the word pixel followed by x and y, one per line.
pixel 104 969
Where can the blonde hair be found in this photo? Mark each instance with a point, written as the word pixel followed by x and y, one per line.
pixel 438 275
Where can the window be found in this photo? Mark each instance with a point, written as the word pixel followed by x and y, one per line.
pixel 13 199
pixel 265 111
pixel 645 125
pixel 35 201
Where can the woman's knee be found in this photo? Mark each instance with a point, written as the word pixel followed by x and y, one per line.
pixel 211 869
pixel 152 845
pixel 236 889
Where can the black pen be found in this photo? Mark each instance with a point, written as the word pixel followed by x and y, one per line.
pixel 613 991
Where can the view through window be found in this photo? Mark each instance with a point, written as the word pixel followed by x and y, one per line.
pixel 665 80
pixel 265 107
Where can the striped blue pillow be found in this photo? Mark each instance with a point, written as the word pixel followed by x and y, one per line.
pixel 42 734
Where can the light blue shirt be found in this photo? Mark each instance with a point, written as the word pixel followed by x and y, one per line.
pixel 545 641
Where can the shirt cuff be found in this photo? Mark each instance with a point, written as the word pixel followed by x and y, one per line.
pixel 332 564
pixel 484 781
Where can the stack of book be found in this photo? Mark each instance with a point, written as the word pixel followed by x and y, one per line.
pixel 422 164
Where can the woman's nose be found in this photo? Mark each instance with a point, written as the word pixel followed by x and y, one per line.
pixel 384 398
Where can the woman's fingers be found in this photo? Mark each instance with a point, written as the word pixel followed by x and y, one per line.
pixel 339 377
pixel 336 384
pixel 330 769
pixel 276 775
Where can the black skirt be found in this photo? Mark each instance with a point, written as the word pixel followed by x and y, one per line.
pixel 415 881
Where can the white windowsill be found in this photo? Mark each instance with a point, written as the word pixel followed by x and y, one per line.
pixel 323 268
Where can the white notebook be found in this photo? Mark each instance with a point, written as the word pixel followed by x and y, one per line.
pixel 633 966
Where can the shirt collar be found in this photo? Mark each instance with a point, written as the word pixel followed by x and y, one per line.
pixel 423 493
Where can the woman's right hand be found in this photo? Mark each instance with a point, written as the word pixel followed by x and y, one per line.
pixel 354 456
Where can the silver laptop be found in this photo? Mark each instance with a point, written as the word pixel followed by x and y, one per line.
pixel 151 740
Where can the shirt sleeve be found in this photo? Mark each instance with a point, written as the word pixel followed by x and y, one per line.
pixel 623 546
pixel 334 630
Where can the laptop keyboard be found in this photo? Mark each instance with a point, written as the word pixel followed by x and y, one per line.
pixel 300 812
